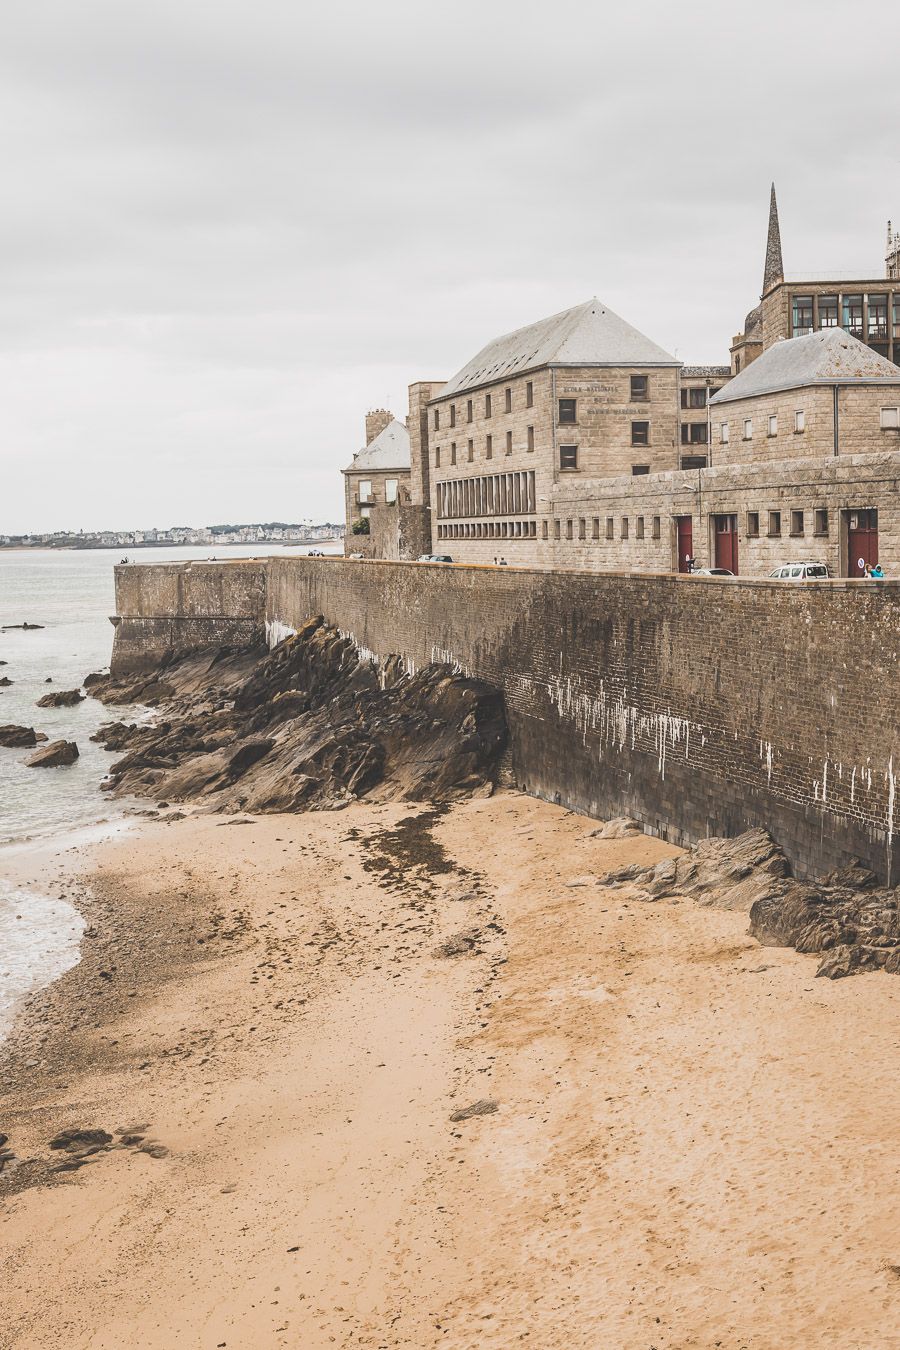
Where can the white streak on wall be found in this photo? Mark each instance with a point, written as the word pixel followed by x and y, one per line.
pixel 276 632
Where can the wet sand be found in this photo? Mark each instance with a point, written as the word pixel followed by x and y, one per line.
pixel 694 1143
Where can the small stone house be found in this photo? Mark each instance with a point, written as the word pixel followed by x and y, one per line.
pixel 377 476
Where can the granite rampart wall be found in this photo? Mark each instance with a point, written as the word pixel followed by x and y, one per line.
pixel 698 706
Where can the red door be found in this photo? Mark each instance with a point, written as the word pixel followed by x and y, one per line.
pixel 726 542
pixel 685 533
pixel 862 541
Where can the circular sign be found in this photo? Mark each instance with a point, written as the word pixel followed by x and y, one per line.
pixel 861 564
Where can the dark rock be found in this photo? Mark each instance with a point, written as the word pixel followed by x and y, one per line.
pixel 485 1107
pixel 461 944
pixel 61 698
pixel 5 681
pixel 308 726
pixel 15 737
pixel 154 1150
pixel 25 627
pixel 75 1141
pixel 53 754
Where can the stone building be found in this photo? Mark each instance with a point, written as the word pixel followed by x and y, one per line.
pixel 377 477
pixel 867 308
pixel 577 396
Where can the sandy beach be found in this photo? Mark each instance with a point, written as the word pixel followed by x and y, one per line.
pixel 682 1139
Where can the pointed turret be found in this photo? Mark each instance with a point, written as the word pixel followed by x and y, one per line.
pixel 774 272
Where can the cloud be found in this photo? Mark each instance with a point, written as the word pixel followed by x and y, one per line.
pixel 228 230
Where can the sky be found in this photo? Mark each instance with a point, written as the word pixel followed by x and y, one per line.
pixel 230 229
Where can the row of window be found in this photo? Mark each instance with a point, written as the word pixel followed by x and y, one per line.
pixel 491 529
pixel 698 398
pixel 568 454
pixel 863 316
pixel 567 411
pixel 605 528
pixel 890 421
pixel 499 494
pixel 488 448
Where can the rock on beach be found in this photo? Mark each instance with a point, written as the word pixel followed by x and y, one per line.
pixel 53 754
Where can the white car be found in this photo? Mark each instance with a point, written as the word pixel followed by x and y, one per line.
pixel 806 571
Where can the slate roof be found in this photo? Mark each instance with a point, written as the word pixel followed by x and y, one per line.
pixel 588 335
pixel 717 372
pixel 389 450
pixel 830 356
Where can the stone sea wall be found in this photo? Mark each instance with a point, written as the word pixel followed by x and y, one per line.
pixel 696 706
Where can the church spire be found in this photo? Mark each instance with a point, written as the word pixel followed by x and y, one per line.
pixel 774 266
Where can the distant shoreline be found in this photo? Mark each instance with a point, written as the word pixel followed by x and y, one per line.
pixel 167 543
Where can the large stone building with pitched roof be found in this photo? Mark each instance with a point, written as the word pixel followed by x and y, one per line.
pixel 578 442
pixel 377 476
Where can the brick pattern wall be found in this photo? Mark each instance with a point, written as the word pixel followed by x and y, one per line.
pixel 697 707
pixel 700 708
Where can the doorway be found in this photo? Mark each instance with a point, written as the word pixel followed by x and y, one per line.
pixel 684 535
pixel 726 535
pixel 862 541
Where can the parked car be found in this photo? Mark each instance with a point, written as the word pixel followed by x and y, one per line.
pixel 358 557
pixel 434 557
pixel 805 571
pixel 712 572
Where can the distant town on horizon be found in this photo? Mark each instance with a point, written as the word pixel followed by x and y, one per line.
pixel 272 532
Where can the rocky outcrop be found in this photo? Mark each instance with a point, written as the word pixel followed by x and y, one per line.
pixel 15 737
pixel 53 754
pixel 308 726
pixel 845 916
pixel 61 698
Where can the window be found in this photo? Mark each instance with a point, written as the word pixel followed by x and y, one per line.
pixel 821 521
pixel 568 529
pixel 737 365
pixel 797 523
pixel 878 318
pixel 437 419
pixel 487 405
pixel 556 533
pixel 693 433
pixel 582 528
pixel 567 410
pixel 753 524
pixel 529 395
pixel 773 426
pixel 365 489
pixel 568 456
pixel 509 442
pixel 640 388
pixel 748 428
pixel 799 421
pixel 390 489
pixel 774 524
pixel 544 531
pixel 657 527
pixel 638 470
pixel 507 397
pixel 453 414
pixel 852 315
pixel 802 315
pixel 437 456
pixel 595 528
pixel 468 410
pixel 693 461
pixel 640 433
pixel 453 452
pixel 471 450
pixel 531 438
pixel 610 524
pixel 828 311
pixel 723 433
pixel 890 419
pixel 639 528
pixel 624 530
pixel 693 398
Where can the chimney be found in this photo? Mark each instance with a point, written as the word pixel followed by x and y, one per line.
pixel 376 421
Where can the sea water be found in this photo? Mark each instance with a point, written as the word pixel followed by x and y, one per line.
pixel 70 593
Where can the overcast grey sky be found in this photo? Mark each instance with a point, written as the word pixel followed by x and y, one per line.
pixel 230 228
